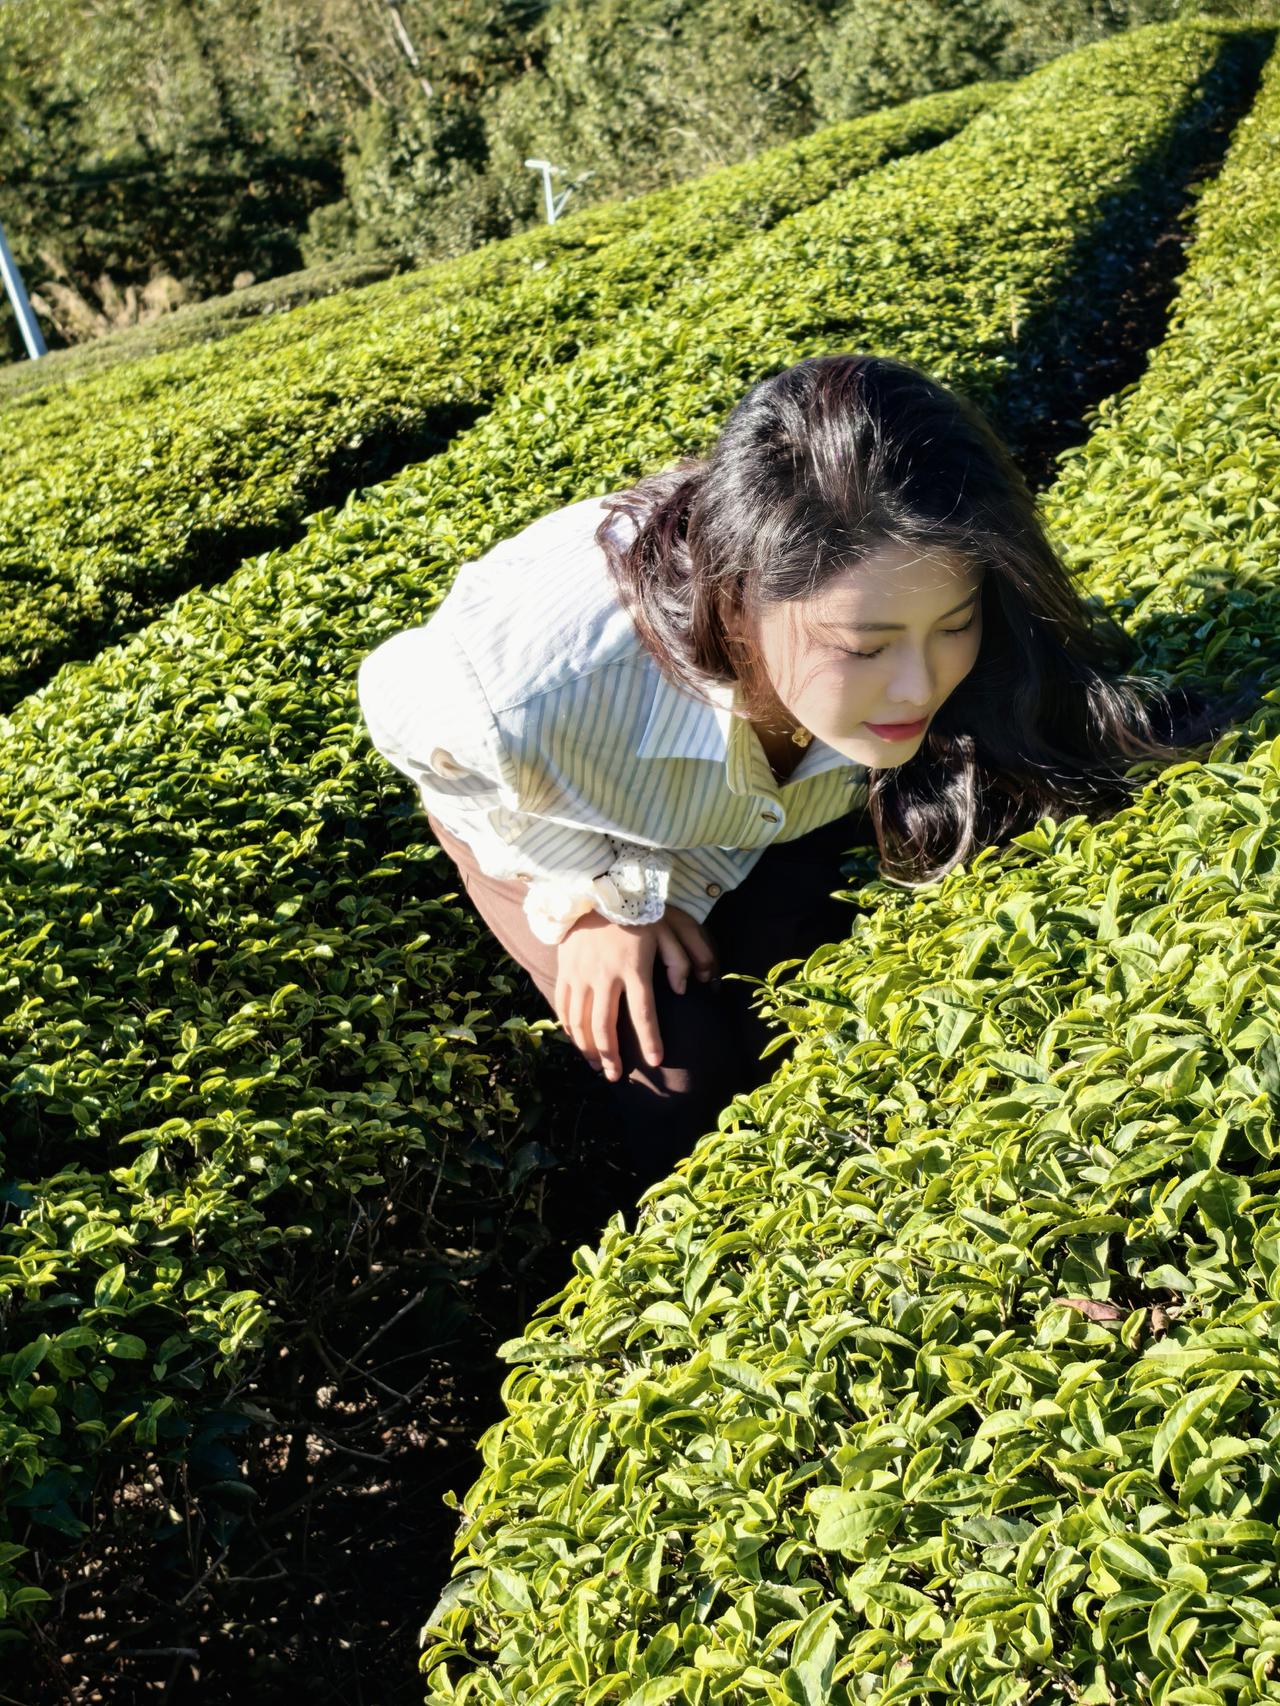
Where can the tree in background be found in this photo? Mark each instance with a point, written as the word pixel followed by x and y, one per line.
pixel 418 177
pixel 191 141
pixel 876 56
pixel 143 159
pixel 646 92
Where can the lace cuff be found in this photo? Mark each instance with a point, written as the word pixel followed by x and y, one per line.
pixel 632 891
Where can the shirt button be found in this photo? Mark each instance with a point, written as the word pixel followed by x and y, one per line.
pixel 769 817
pixel 713 888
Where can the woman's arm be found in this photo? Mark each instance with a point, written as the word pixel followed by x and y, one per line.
pixel 427 714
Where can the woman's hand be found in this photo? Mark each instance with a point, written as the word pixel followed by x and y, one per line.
pixel 598 960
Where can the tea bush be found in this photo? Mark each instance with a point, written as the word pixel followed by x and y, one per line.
pixel 237 1010
pixel 948 1366
pixel 125 487
pixel 192 323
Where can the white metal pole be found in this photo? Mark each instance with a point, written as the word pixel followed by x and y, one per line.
pixel 554 206
pixel 546 168
pixel 18 296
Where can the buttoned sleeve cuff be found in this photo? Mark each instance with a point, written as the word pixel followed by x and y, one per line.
pixel 694 887
pixel 633 890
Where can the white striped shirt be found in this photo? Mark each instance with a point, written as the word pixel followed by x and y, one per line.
pixel 540 731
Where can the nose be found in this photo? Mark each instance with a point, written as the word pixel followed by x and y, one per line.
pixel 912 688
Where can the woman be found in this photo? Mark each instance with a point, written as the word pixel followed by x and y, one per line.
pixel 650 726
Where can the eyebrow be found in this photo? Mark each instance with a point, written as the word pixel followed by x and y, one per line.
pixel 884 627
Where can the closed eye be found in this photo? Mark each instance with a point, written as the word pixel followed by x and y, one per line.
pixel 879 649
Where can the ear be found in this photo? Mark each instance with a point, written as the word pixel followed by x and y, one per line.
pixel 735 625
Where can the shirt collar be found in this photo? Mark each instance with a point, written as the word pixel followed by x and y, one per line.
pixel 680 726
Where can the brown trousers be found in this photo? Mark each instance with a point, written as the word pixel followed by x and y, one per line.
pixel 711 1038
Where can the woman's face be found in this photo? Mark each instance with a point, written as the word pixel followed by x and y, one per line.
pixel 916 620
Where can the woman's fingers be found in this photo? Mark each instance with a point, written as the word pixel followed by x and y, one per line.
pixel 698 948
pixel 580 1021
pixel 592 1027
pixel 674 956
pixel 644 1017
pixel 593 974
pixel 604 1011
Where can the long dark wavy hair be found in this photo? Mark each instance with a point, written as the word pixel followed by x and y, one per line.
pixel 818 467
